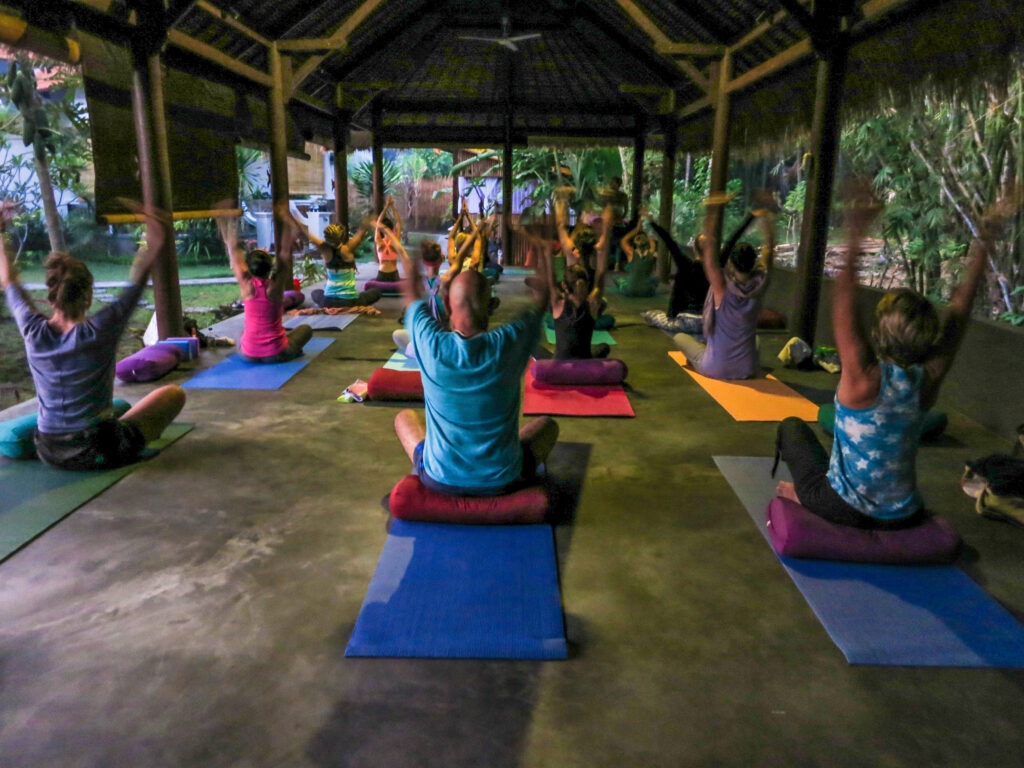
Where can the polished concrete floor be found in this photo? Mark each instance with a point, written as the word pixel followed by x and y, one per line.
pixel 196 613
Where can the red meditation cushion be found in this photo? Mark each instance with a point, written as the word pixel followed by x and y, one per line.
pixel 411 500
pixel 388 384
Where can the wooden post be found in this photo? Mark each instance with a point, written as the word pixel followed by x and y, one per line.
pixel 155 177
pixel 506 192
pixel 668 177
pixel 378 161
pixel 721 72
pixel 639 149
pixel 341 168
pixel 278 140
pixel 824 151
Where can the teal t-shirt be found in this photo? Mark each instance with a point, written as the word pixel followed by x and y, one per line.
pixel 471 393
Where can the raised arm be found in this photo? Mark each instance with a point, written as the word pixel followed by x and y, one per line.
pixel 562 221
pixel 859 380
pixel 8 272
pixel 543 272
pixel 678 257
pixel 601 267
pixel 961 302
pixel 709 246
pixel 626 243
pixel 228 228
pixel 723 256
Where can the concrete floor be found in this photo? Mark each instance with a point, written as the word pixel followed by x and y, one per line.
pixel 196 613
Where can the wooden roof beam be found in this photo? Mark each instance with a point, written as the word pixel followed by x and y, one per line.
pixel 666 96
pixel 229 19
pixel 668 47
pixel 218 57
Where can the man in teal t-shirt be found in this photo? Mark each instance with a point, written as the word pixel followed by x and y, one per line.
pixel 470 444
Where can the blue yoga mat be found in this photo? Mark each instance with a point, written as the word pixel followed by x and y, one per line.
pixel 921 615
pixel 463 591
pixel 234 373
pixel 320 322
pixel 399 361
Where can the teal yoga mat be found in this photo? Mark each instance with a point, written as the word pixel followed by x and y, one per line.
pixel 234 373
pixel 890 615
pixel 599 337
pixel 36 496
pixel 399 361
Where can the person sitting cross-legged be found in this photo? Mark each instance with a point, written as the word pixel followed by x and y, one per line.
pixel 470 443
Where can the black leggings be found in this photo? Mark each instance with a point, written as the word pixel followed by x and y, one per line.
pixel 808 464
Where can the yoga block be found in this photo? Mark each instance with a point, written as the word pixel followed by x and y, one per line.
pixel 580 372
pixel 293 299
pixel 932 428
pixel 388 384
pixel 189 346
pixel 17 436
pixel 149 363
pixel 411 500
pixel 386 287
pixel 797 532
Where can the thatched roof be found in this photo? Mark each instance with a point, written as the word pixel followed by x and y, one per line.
pixel 470 72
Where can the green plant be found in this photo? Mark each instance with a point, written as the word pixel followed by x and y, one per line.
pixel 361 176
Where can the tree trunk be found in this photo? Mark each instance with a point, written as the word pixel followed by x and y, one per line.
pixel 53 224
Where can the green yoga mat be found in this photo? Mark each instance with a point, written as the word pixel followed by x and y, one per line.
pixel 599 337
pixel 36 496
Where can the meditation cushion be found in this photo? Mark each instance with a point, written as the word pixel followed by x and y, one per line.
pixel 580 372
pixel 149 363
pixel 932 428
pixel 386 287
pixel 17 436
pixel 388 384
pixel 293 299
pixel 770 319
pixel 797 532
pixel 411 500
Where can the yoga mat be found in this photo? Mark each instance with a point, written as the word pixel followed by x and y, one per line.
pixel 554 400
pixel 320 322
pixel 463 591
pixel 891 615
pixel 36 496
pixel 599 337
pixel 766 399
pixel 234 373
pixel 399 361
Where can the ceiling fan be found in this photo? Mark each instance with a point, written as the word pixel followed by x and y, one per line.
pixel 507 40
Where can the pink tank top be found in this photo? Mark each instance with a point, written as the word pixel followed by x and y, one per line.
pixel 263 334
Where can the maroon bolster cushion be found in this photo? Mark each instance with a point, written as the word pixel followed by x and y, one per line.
pixel 411 500
pixel 293 299
pixel 387 287
pixel 797 532
pixel 149 363
pixel 580 372
pixel 386 384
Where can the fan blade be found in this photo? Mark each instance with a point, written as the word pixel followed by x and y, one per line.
pixel 482 39
pixel 520 38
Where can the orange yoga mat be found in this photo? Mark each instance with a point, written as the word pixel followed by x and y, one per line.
pixel 765 399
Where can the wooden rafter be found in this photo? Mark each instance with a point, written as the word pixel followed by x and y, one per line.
pixel 226 18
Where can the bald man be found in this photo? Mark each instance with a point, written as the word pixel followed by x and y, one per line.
pixel 471 444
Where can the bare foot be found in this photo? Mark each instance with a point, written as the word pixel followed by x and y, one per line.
pixel 787 491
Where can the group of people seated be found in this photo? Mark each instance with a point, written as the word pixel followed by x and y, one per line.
pixel 467 442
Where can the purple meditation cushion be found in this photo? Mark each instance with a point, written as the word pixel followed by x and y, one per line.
pixel 580 372
pixel 388 384
pixel 293 299
pixel 387 287
pixel 797 532
pixel 149 363
pixel 411 500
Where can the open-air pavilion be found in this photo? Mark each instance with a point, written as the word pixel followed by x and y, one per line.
pixel 196 612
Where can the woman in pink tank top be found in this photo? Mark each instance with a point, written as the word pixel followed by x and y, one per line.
pixel 262 281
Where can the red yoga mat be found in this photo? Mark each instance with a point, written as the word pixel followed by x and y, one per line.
pixel 561 400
